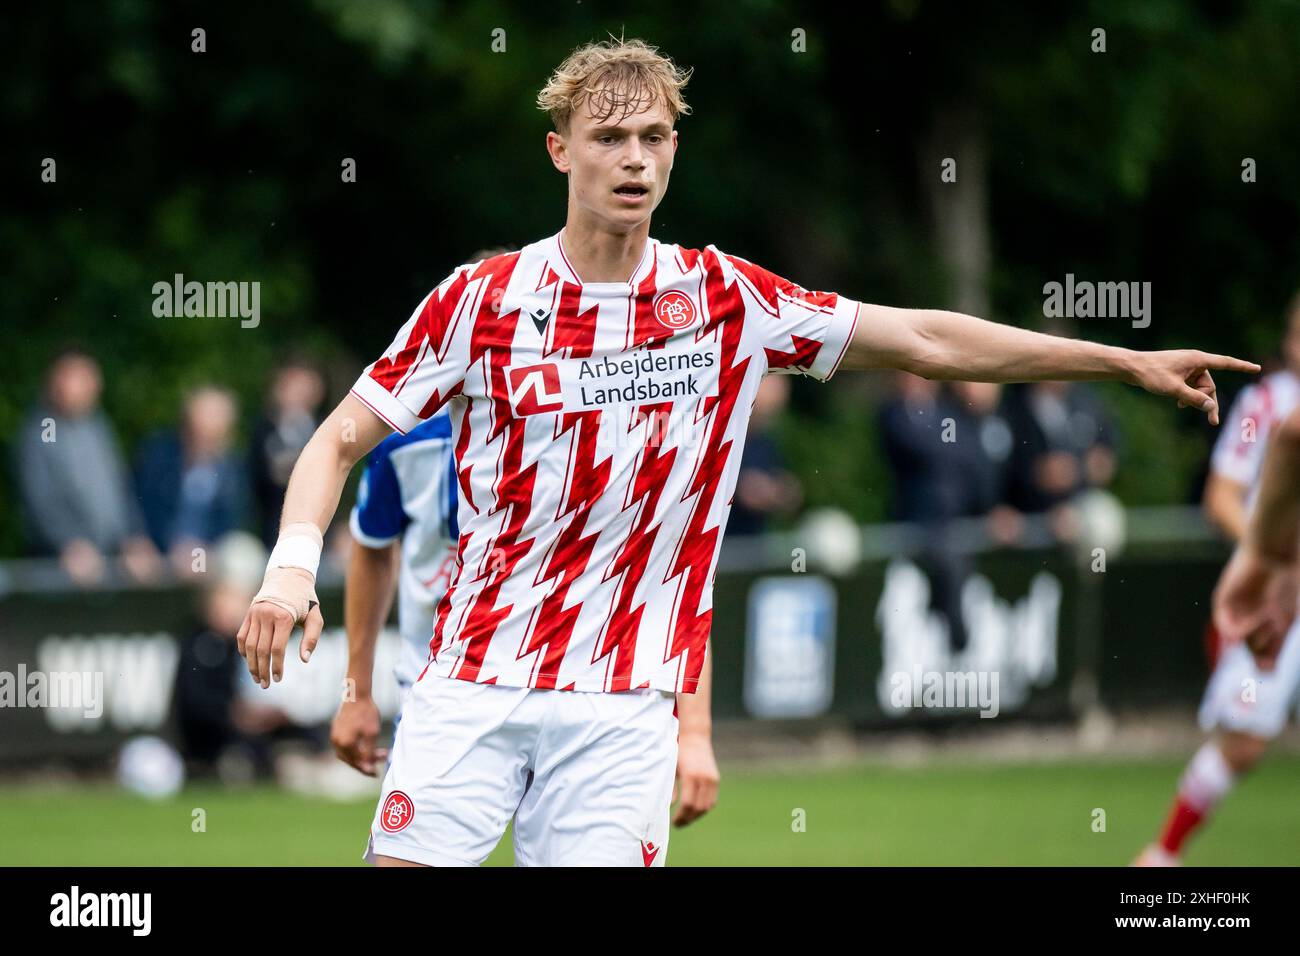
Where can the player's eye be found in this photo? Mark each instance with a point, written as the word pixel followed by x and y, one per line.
pixel 656 138
pixel 607 140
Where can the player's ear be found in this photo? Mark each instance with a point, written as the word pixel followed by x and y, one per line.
pixel 558 150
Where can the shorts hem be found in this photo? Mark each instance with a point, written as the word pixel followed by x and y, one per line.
pixel 411 852
pixel 1228 725
pixel 1213 715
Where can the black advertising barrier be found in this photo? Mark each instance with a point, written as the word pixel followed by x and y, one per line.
pixel 107 661
pixel 893 659
pixel 1047 637
pixel 1152 624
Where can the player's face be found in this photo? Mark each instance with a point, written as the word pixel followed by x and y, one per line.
pixel 618 168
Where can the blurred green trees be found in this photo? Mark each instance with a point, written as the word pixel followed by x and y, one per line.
pixel 225 165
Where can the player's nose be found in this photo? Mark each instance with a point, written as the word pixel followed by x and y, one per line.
pixel 635 157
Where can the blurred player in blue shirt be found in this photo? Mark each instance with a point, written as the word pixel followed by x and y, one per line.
pixel 404 531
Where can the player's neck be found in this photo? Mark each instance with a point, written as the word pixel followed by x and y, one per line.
pixel 597 254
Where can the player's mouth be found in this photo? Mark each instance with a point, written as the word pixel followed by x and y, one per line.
pixel 632 193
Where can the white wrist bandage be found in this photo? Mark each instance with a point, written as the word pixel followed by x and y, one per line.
pixel 299 546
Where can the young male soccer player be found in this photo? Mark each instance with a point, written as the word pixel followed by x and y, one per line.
pixel 600 382
pixel 1244 704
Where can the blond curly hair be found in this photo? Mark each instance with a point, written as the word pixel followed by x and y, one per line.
pixel 618 76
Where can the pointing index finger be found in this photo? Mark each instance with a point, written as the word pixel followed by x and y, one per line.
pixel 1229 364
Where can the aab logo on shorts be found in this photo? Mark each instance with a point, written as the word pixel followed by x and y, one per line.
pixel 535 389
pixel 398 812
pixel 674 310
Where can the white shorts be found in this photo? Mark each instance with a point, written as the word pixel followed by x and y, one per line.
pixel 587 777
pixel 1242 698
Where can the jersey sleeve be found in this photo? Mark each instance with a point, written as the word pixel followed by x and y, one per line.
pixel 1243 436
pixel 378 518
pixel 425 364
pixel 801 332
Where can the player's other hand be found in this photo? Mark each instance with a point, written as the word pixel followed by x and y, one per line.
pixel 1184 374
pixel 696 790
pixel 354 733
pixel 288 597
pixel 1255 602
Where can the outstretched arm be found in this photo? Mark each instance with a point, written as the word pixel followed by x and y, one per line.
pixel 949 345
pixel 288 594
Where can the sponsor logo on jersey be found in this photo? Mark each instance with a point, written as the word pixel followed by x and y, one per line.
pixel 535 389
pixel 645 377
pixel 398 812
pixel 632 378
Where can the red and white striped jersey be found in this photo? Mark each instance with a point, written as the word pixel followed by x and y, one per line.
pixel 1244 432
pixel 598 429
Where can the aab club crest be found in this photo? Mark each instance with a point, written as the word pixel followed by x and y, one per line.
pixel 397 813
pixel 674 310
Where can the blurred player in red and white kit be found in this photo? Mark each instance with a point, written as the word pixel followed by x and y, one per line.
pixel 600 382
pixel 1245 705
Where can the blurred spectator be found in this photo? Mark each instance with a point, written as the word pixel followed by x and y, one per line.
pixel 764 488
pixel 928 454
pixel 191 483
pixel 987 459
pixel 288 422
pixel 1064 446
pixel 74 482
pixel 929 483
pixel 222 730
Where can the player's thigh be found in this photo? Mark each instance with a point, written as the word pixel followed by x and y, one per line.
pixel 456 774
pixel 602 784
pixel 1242 698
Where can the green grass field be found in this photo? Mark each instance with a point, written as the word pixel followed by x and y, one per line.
pixel 868 814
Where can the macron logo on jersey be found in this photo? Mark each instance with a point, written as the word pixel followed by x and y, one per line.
pixel 535 389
